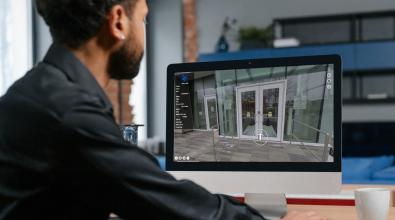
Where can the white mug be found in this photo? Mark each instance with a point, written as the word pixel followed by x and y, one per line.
pixel 372 203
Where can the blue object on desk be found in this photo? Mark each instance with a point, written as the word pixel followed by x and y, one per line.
pixel 129 133
pixel 161 161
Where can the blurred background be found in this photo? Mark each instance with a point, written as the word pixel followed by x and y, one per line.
pixel 361 31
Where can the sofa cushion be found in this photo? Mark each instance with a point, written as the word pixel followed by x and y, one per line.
pixel 382 162
pixel 363 168
pixel 386 174
pixel 356 168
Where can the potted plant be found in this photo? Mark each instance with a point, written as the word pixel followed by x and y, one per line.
pixel 252 37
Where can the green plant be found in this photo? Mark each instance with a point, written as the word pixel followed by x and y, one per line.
pixel 256 34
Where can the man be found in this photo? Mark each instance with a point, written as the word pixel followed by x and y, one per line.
pixel 61 152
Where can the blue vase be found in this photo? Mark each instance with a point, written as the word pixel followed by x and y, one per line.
pixel 222 45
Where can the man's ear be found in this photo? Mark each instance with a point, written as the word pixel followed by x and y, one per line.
pixel 118 23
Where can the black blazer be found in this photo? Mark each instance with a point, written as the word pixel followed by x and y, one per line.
pixel 62 156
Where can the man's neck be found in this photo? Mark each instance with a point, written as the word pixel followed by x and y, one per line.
pixel 95 59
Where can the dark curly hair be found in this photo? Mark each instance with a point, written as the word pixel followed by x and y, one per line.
pixel 73 22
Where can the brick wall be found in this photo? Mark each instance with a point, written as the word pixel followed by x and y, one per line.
pixel 119 91
pixel 190 31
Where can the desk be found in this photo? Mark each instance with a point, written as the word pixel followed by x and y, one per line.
pixel 334 212
pixel 330 212
pixel 344 212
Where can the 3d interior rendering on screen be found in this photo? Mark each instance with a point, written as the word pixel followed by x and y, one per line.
pixel 273 114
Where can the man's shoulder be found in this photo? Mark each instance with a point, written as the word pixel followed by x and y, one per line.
pixel 47 87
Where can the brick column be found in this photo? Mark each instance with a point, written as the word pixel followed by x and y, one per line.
pixel 119 91
pixel 190 31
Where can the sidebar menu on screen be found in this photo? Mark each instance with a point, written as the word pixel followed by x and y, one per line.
pixel 183 102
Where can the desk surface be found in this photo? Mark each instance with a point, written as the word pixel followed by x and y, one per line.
pixel 344 212
pixel 334 212
pixel 330 212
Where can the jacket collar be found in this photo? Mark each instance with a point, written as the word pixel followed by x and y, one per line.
pixel 63 59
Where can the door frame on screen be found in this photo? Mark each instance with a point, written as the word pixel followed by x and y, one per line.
pixel 206 98
pixel 258 88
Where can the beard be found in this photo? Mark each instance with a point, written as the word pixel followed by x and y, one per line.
pixel 125 62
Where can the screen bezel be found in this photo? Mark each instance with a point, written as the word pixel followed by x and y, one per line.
pixel 334 166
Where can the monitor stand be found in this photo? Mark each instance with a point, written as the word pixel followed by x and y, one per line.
pixel 271 206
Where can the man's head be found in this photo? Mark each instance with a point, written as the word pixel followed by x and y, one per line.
pixel 116 25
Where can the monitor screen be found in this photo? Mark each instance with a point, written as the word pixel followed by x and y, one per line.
pixel 267 113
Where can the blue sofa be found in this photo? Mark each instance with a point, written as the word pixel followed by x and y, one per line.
pixel 368 170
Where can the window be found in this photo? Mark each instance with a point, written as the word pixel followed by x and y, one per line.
pixel 15 41
pixel 339 28
pixel 226 81
pixel 319 32
pixel 347 89
pixel 378 86
pixel 308 101
pixel 369 87
pixel 377 28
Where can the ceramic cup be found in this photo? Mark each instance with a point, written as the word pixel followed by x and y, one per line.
pixel 372 203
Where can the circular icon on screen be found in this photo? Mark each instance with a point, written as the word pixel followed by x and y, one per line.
pixel 175 158
pixel 261 137
pixel 184 78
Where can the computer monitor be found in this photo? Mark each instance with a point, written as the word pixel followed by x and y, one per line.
pixel 256 126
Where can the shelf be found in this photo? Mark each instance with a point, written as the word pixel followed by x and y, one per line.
pixel 355 56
